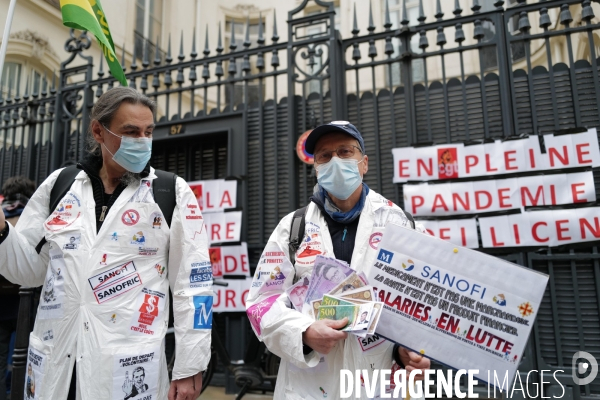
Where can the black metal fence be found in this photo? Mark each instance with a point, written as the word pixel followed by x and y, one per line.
pixel 237 109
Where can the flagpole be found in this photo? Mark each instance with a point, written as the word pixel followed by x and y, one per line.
pixel 9 18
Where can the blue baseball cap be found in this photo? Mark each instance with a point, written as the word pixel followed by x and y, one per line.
pixel 334 126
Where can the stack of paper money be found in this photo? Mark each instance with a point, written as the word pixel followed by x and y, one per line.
pixel 335 291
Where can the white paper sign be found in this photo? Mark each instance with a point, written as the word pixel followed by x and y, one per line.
pixel 223 227
pixel 462 232
pixel 235 260
pixel 215 195
pixel 233 297
pixel 541 228
pixel 229 260
pixel 450 161
pixel 498 195
pixel 460 307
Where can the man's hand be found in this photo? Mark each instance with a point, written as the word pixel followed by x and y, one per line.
pixel 186 388
pixel 323 335
pixel 412 361
pixel 127 385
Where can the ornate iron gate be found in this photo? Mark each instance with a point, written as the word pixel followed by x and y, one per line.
pixel 490 72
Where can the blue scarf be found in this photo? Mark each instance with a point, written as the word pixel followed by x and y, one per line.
pixel 335 213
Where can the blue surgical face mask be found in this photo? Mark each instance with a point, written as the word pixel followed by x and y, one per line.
pixel 339 177
pixel 133 154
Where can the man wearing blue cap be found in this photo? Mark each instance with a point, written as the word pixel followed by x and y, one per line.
pixel 345 220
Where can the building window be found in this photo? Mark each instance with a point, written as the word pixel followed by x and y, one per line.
pixel 14 79
pixel 412 9
pixel 148 27
pixel 239 24
pixel 36 81
pixel 488 54
pixel 11 79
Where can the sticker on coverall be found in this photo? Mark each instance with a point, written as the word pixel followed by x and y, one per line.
pixel 273 270
pixel 311 246
pixel 137 238
pixel 53 292
pixel 147 319
pixel 140 240
pixel 203 306
pixel 370 342
pixel 135 376
pixel 73 242
pixel 115 281
pixel 67 212
pixel 258 310
pixel 48 335
pixel 130 217
pixel 35 374
pixel 201 274
pixel 156 220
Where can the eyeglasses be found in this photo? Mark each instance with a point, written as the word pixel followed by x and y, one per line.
pixel 344 151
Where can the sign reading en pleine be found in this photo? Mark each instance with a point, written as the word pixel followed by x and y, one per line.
pixel 458 306
pixel 451 161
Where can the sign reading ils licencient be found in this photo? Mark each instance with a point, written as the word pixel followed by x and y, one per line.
pixel 460 307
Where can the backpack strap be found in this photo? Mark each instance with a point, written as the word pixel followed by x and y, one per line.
pixel 63 183
pixel 410 219
pixel 164 193
pixel 297 232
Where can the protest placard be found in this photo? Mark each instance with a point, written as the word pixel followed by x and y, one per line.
pixel 458 306
pixel 215 195
pixel 223 227
pixel 231 298
pixel 459 198
pixel 451 161
pixel 229 260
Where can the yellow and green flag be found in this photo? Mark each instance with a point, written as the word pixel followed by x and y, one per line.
pixel 87 15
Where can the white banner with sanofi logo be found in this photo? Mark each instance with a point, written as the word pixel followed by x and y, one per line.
pixel 463 308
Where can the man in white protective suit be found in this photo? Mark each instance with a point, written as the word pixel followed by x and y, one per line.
pixel 345 220
pixel 100 254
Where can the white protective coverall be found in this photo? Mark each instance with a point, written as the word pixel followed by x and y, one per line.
pixel 269 309
pixel 105 298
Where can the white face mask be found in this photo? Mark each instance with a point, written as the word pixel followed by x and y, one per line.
pixel 133 154
pixel 339 177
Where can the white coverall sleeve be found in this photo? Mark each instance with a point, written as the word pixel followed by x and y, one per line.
pixel 19 262
pixel 190 278
pixel 419 227
pixel 268 307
